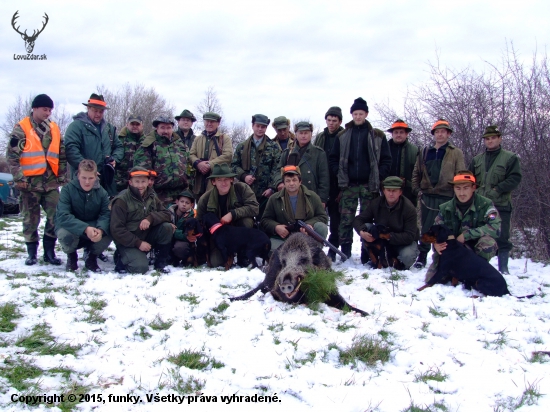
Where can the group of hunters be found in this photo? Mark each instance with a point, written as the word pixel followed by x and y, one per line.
pixel 138 190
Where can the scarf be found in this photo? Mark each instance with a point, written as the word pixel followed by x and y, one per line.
pixel 301 212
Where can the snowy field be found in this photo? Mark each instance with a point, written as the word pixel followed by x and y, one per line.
pixel 105 337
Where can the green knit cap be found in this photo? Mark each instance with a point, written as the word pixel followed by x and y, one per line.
pixel 491 131
pixel 392 182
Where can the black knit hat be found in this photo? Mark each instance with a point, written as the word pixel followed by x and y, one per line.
pixel 334 111
pixel 359 104
pixel 42 100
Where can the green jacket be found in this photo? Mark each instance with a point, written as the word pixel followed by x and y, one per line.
pixel 130 142
pixel 266 158
pixel 179 222
pixel 84 141
pixel 241 202
pixel 276 214
pixel 46 182
pixel 499 179
pixel 480 219
pixel 406 168
pixel 78 209
pixel 128 209
pixel 453 161
pixel 313 167
pixel 167 157
pixel 401 220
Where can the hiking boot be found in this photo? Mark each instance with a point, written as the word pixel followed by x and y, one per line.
pixel 161 259
pixel 346 249
pixel 32 249
pixel 72 259
pixel 119 266
pixel 49 251
pixel 91 263
pixel 421 260
pixel 503 262
pixel 332 255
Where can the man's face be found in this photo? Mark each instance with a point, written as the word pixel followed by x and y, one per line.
pixel 135 127
pixel 185 124
pixel 359 116
pixel 95 113
pixel 165 129
pixel 151 181
pixel 292 183
pixel 282 134
pixel 259 130
pixel 211 125
pixel 223 184
pixel 399 135
pixel 140 183
pixel 492 142
pixel 333 123
pixel 441 136
pixel 86 180
pixel 39 114
pixel 303 137
pixel 464 191
pixel 184 204
pixel 392 195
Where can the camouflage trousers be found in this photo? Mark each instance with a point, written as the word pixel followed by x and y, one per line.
pixel 351 196
pixel 485 246
pixel 29 203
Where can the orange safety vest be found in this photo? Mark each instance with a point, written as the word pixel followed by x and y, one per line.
pixel 33 159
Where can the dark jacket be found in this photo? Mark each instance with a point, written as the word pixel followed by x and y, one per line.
pixel 78 209
pixel 403 161
pixel 326 141
pixel 401 220
pixel 241 202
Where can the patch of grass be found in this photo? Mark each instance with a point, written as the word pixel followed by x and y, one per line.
pixel 189 298
pixel 396 276
pixel 386 335
pixel 304 328
pixel 310 357
pixel 460 314
pixel 365 275
pixel 49 302
pixel 212 320
pixel 537 340
pixel 432 374
pixel 498 342
pixel 435 407
pixel 367 349
pixel 434 311
pixel 538 357
pixel 275 327
pixel 194 360
pixel 143 333
pixel 98 304
pixel 18 371
pixel 64 372
pixel 221 307
pixel 425 327
pixel 8 313
pixel 529 397
pixel 343 327
pixel 391 319
pixel 276 340
pixel 41 340
pixel 181 385
pixel 372 290
pixel 159 324
pixel 73 388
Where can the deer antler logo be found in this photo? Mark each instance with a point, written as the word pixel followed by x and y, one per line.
pixel 29 40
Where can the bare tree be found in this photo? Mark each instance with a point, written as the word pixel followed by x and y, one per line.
pixel 210 103
pixel 239 132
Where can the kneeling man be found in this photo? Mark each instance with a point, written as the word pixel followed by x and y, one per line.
pixel 294 202
pixel 398 215
pixel 82 217
pixel 140 222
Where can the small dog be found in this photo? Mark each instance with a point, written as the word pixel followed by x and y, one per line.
pixel 199 249
pixel 232 239
pixel 381 253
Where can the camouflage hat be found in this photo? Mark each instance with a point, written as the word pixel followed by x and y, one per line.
pixel 186 114
pixel 96 100
pixel 221 170
pixel 303 126
pixel 491 131
pixel 441 124
pixel 281 122
pixel 133 118
pixel 261 119
pixel 212 116
pixel 464 176
pixel 290 169
pixel 162 119
pixel 399 124
pixel 187 194
pixel 138 171
pixel 392 182
pixel 334 111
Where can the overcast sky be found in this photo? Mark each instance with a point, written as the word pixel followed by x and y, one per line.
pixel 295 58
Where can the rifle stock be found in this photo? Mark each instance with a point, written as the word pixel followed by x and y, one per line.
pixel 319 238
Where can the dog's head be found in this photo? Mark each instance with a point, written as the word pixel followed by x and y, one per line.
pixel 210 219
pixel 379 231
pixel 436 234
pixel 193 227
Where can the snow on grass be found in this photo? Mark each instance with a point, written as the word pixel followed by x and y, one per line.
pixel 436 350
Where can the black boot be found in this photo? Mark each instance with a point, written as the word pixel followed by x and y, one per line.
pixel 420 260
pixel 346 249
pixel 119 266
pixel 503 262
pixel 49 250
pixel 91 263
pixel 161 259
pixel 32 249
pixel 72 259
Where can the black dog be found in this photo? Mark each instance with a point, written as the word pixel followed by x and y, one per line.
pixel 198 250
pixel 461 263
pixel 381 253
pixel 232 239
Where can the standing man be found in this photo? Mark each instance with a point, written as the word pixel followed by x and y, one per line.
pixel 164 152
pixel 36 159
pixel 89 136
pixel 211 147
pixel 498 172
pixel 185 132
pixel 284 137
pixel 361 159
pixel 255 161
pixel 325 140
pixel 314 168
pixel 403 157
pixel 435 167
pixel 130 136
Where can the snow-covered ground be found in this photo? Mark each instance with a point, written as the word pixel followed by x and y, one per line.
pixel 130 335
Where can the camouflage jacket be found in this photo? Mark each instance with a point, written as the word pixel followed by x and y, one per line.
pixel 46 182
pixel 179 221
pixel 480 219
pixel 130 141
pixel 266 158
pixel 167 157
